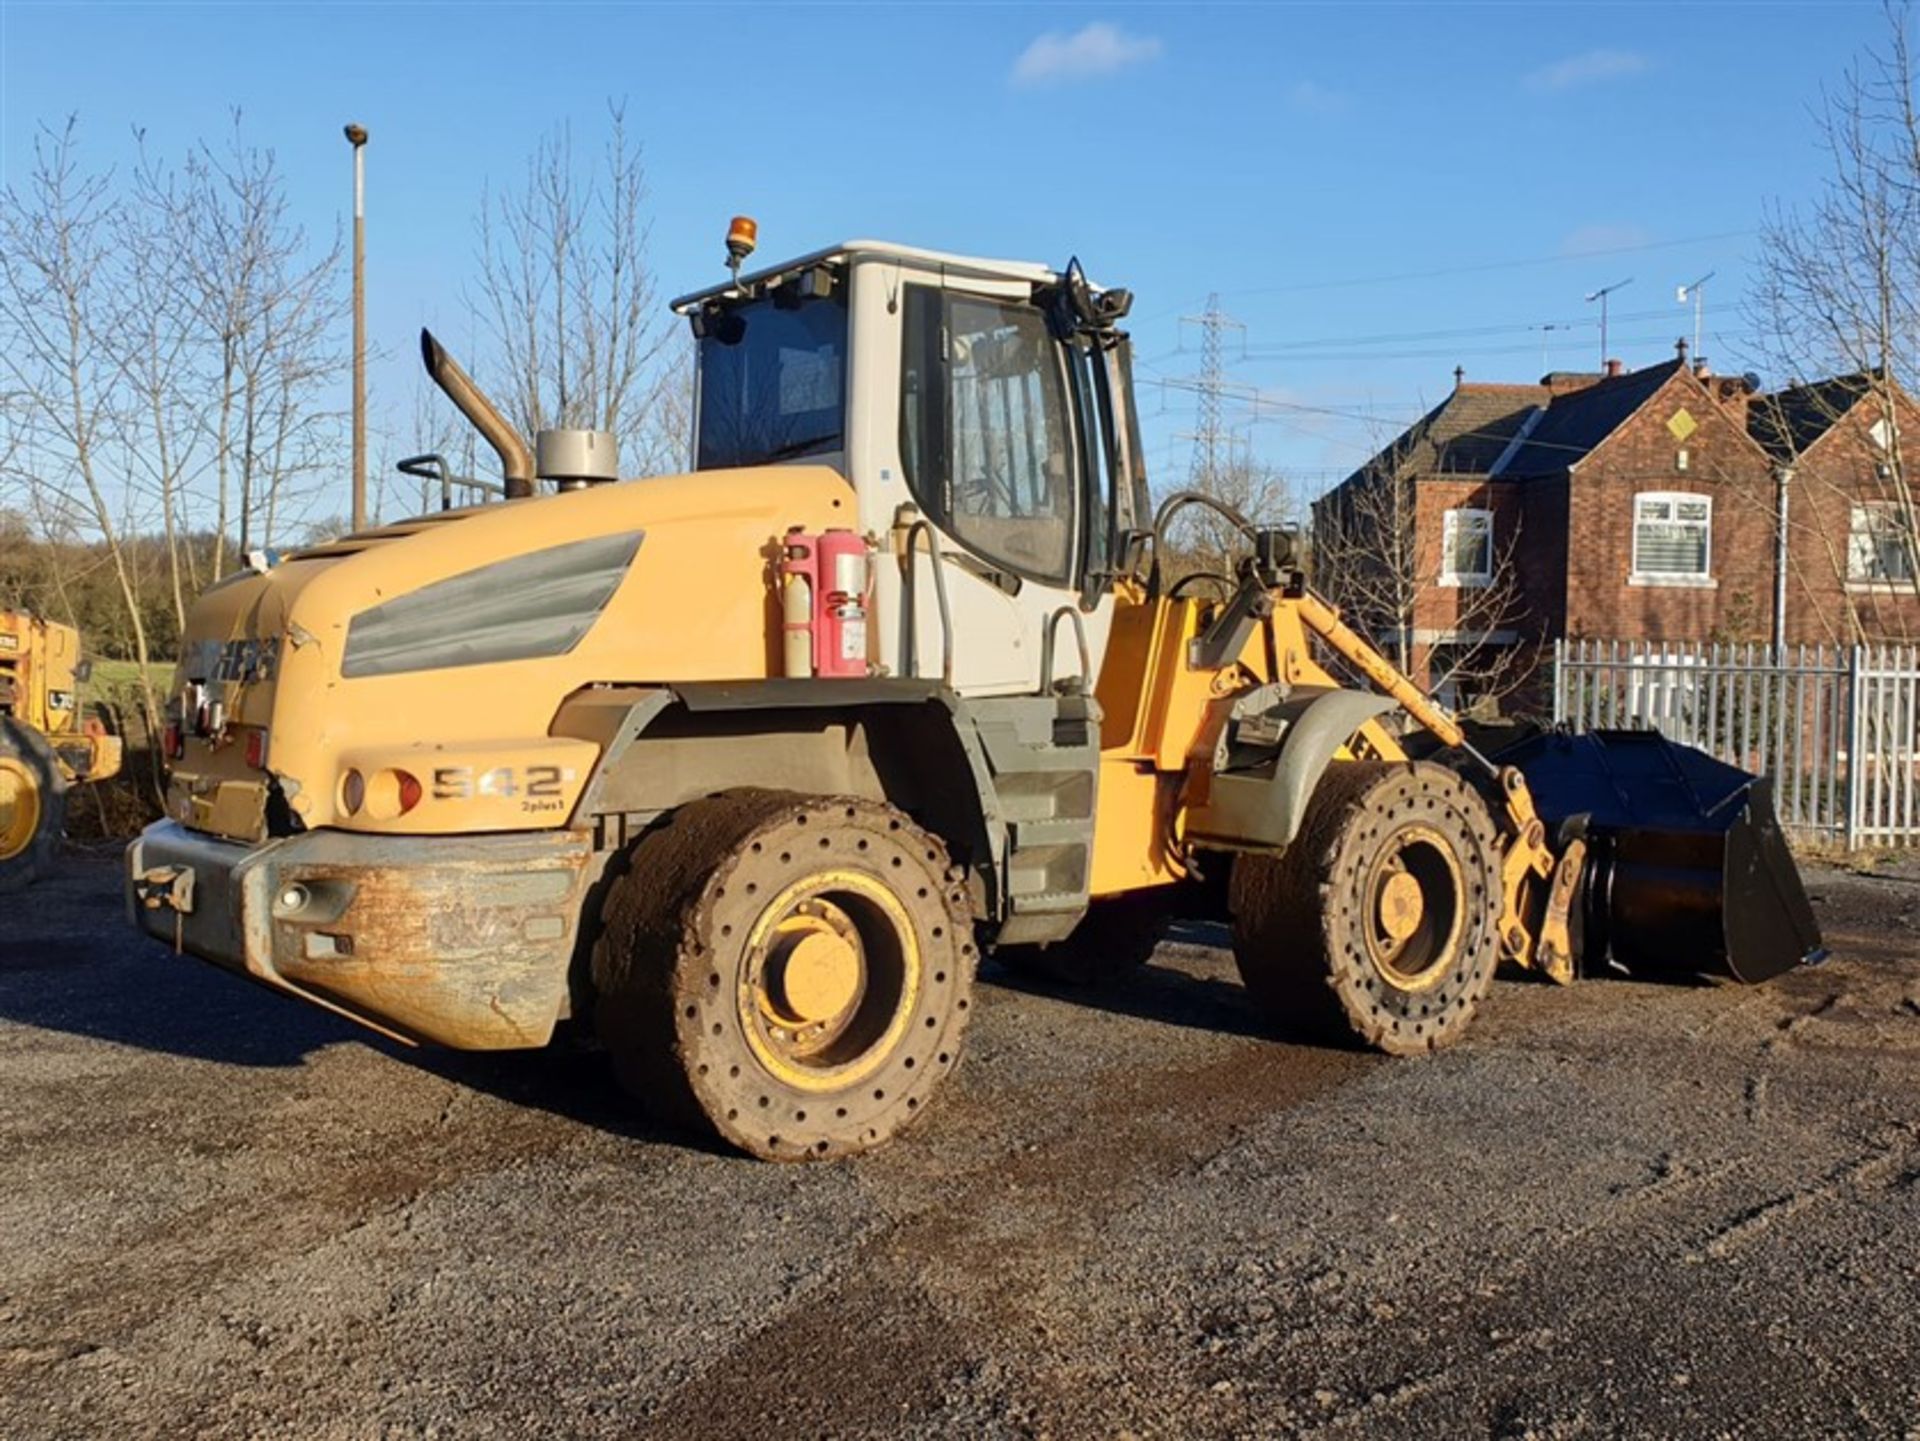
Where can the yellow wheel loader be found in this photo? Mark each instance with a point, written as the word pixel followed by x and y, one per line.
pixel 747 768
pixel 46 745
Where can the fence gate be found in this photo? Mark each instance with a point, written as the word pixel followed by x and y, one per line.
pixel 1836 728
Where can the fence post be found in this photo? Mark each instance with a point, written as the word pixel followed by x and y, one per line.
pixel 1854 776
pixel 1559 681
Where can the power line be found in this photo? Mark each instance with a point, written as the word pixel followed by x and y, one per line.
pixel 1492 265
pixel 1620 342
pixel 1503 328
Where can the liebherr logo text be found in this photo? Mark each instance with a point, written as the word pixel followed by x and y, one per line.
pixel 538 788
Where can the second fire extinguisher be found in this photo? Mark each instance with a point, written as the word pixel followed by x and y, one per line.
pixel 826 590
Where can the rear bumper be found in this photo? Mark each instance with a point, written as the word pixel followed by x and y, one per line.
pixel 461 940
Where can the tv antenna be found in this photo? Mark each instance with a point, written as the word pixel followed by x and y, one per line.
pixel 1601 295
pixel 1546 334
pixel 1697 293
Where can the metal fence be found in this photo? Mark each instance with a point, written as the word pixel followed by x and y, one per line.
pixel 1836 728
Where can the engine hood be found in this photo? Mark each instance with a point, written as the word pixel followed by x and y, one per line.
pixel 469 630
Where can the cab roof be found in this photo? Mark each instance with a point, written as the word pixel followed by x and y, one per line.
pixel 851 250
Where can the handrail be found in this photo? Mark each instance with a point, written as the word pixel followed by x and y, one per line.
pixel 1085 678
pixel 433 467
pixel 910 631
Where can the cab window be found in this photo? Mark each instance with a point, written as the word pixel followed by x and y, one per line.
pixel 772 382
pixel 986 435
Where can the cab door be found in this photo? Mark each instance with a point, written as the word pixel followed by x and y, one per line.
pixel 996 453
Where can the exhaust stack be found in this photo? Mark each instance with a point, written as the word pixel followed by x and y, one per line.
pixel 516 457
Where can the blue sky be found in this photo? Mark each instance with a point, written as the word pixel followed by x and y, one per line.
pixel 1335 172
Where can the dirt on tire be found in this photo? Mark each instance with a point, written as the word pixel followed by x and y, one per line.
pixel 672 958
pixel 1300 921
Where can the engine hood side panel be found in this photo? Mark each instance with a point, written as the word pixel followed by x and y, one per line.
pixel 697 602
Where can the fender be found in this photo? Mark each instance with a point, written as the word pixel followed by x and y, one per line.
pixel 1270 754
pixel 911 743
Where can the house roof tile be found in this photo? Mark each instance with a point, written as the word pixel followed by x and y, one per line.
pixel 1788 421
pixel 1577 421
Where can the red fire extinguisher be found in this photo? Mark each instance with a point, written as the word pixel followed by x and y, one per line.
pixel 826 589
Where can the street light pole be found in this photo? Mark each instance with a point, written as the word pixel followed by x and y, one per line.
pixel 357 138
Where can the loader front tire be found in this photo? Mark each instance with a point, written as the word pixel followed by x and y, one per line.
pixel 793 973
pixel 1380 922
pixel 32 805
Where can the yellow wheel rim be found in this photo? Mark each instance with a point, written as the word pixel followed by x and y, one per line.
pixel 20 808
pixel 830 977
pixel 1415 905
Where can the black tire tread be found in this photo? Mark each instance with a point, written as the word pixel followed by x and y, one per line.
pixel 1288 918
pixel 26 744
pixel 652 957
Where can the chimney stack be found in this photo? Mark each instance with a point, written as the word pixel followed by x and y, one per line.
pixel 1614 369
pixel 1702 369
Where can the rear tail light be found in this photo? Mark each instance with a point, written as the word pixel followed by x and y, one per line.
pixel 383 796
pixel 257 750
pixel 174 741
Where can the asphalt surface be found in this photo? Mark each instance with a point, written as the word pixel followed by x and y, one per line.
pixel 1619 1209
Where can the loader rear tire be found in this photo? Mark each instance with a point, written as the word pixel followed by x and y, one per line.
pixel 1380 922
pixel 793 973
pixel 32 805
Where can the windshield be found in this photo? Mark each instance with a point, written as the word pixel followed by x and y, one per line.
pixel 772 382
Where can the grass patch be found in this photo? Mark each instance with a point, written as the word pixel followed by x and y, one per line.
pixel 118 807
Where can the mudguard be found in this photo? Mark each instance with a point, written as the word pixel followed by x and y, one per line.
pixel 1269 756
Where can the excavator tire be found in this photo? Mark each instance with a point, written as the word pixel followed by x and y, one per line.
pixel 1116 937
pixel 1379 924
pixel 793 973
pixel 32 805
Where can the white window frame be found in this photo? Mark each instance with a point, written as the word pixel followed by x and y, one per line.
pixel 1449 531
pixel 1856 512
pixel 1700 579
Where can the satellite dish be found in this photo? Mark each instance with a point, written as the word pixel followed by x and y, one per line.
pixel 1752 380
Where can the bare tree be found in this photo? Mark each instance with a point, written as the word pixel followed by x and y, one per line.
pixel 56 296
pixel 154 339
pixel 267 312
pixel 567 294
pixel 1838 296
pixel 1372 560
pixel 1205 542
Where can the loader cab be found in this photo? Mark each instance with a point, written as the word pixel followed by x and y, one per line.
pixel 972 394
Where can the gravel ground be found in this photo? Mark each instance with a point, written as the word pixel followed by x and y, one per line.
pixel 1615 1209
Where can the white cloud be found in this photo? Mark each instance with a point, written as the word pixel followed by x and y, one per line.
pixel 1093 50
pixel 1312 98
pixel 1594 67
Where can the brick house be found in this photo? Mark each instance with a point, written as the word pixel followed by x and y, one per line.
pixel 1624 505
pixel 1836 446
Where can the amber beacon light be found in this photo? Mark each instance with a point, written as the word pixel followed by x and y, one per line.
pixel 742 235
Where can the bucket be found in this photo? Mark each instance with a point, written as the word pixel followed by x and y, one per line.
pixel 1689 871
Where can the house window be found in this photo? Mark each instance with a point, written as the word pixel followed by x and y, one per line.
pixel 1879 544
pixel 1681 460
pixel 1672 537
pixel 1466 547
